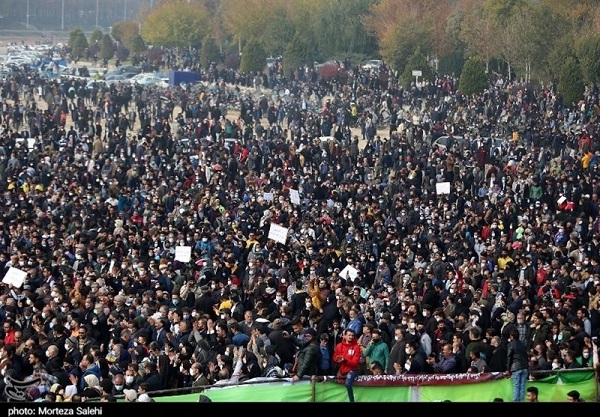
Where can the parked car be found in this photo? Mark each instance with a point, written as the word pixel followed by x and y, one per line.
pixel 114 78
pixel 373 64
pixel 145 78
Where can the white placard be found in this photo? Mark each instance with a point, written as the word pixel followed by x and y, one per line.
pixel 442 188
pixel 14 276
pixel 561 200
pixel 183 253
pixel 207 173
pixel 30 143
pixel 278 233
pixel 348 272
pixel 417 73
pixel 268 196
pixel 294 196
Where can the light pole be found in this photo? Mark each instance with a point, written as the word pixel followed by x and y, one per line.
pixel 62 20
pixel 125 12
pixel 27 16
pixel 96 13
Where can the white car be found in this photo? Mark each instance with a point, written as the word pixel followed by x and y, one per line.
pixel 114 78
pixel 145 78
pixel 373 64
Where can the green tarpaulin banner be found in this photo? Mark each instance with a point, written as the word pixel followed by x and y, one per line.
pixel 553 388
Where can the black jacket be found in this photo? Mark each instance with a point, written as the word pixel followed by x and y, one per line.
pixel 308 359
pixel 516 356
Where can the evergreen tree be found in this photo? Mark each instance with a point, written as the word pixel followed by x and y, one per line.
pixel 298 53
pixel 78 43
pixel 254 57
pixel 209 52
pixel 473 79
pixel 107 47
pixel 417 62
pixel 570 85
pixel 96 35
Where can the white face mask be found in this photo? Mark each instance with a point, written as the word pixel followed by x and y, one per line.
pixel 407 351
pixel 129 379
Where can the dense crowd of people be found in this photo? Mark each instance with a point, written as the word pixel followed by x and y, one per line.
pixel 380 272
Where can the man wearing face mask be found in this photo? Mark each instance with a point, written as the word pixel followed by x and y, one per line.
pixel 376 350
pixel 132 378
pixel 71 350
pixel 118 384
pixel 53 361
pixel 415 359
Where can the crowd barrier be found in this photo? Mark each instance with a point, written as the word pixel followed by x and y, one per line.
pixel 484 387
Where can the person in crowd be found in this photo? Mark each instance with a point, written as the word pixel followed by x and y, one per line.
pixel 346 356
pixel 517 365
pixel 531 395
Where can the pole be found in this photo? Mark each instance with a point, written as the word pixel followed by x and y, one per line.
pixel 96 13
pixel 62 19
pixel 27 16
pixel 125 13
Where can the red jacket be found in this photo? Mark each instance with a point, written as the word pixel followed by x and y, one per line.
pixel 351 353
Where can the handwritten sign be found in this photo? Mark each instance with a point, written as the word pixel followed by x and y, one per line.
pixel 349 272
pixel 442 188
pixel 268 196
pixel 183 253
pixel 278 233
pixel 294 196
pixel 15 277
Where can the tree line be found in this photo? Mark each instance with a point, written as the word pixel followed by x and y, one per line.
pixel 533 40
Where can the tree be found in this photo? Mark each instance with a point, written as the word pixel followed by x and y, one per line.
pixel 96 35
pixel 403 26
pixel 299 52
pixel 254 57
pixel 417 62
pixel 137 44
pixel 77 42
pixel 177 23
pixel 107 47
pixel 477 31
pixel 209 52
pixel 122 53
pixel 337 30
pixel 125 32
pixel 473 79
pixel 571 86
pixel 587 49
pixel 257 20
pixel 558 55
